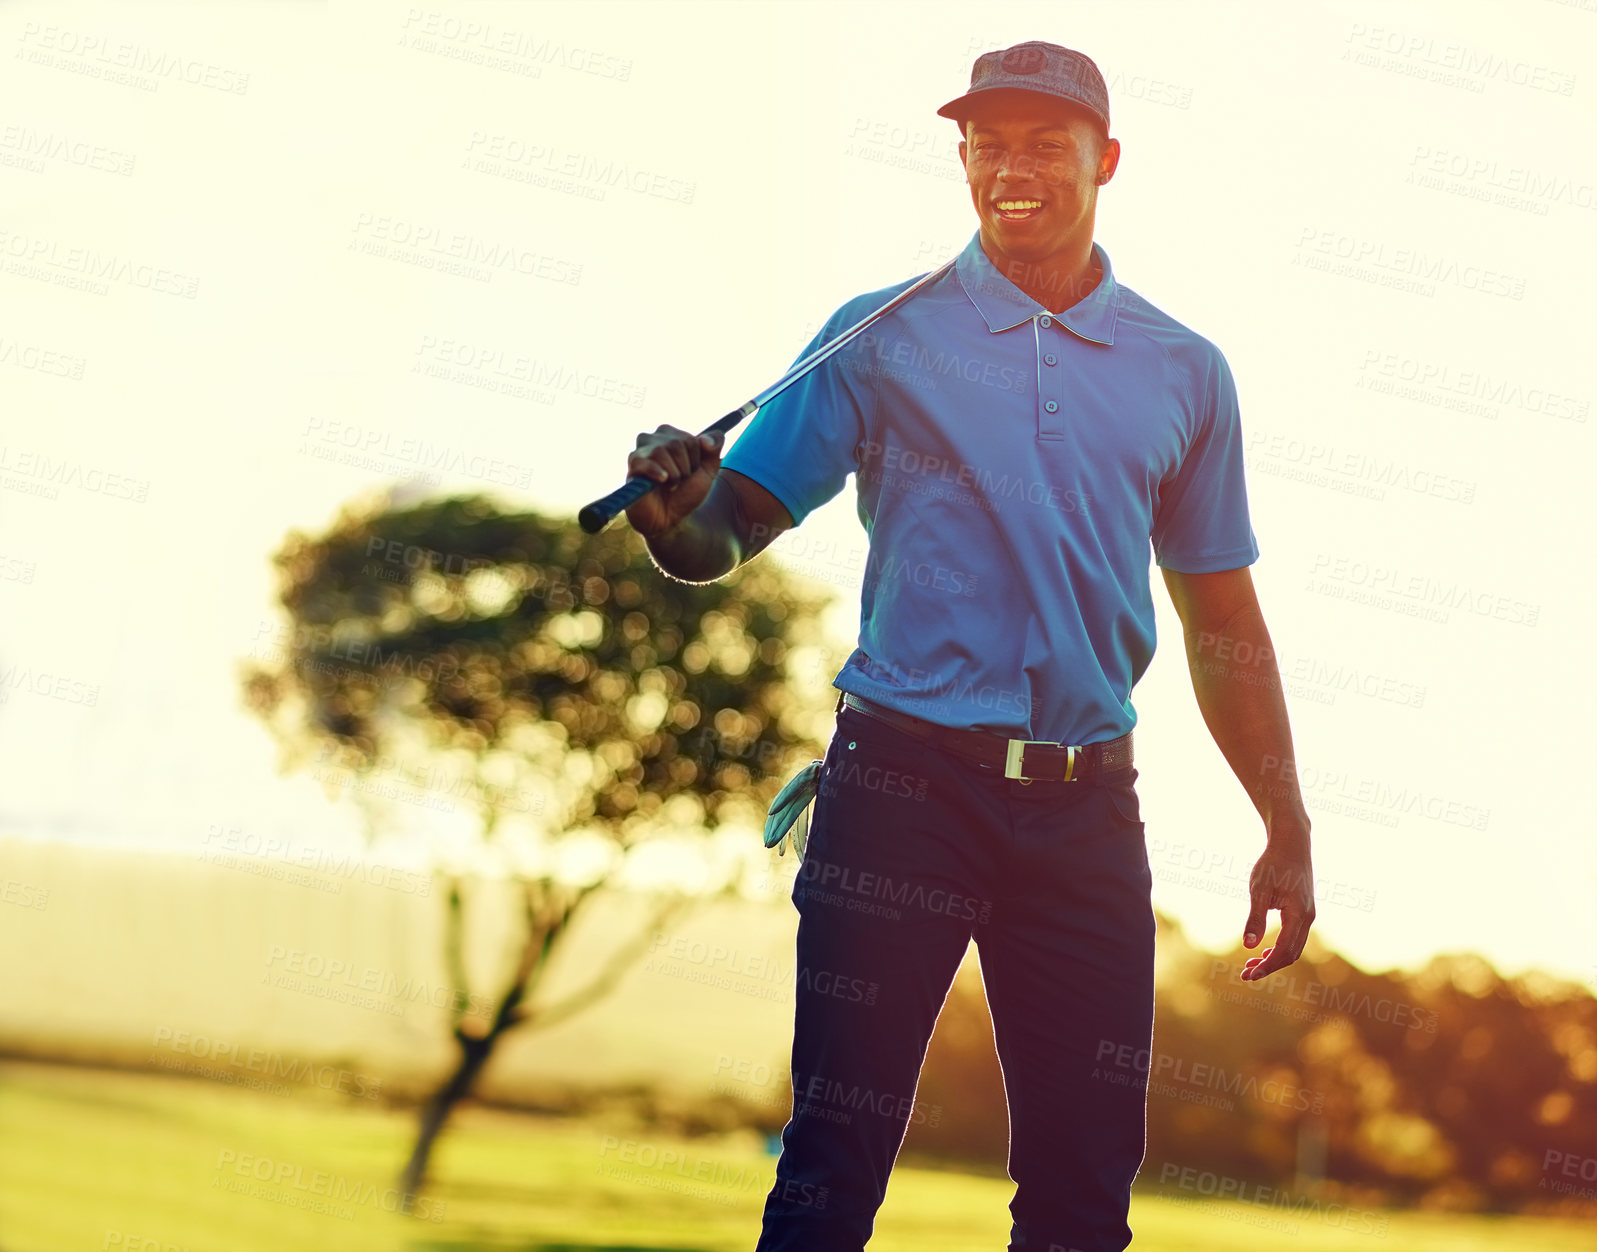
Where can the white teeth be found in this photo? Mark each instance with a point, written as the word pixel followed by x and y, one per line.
pixel 1010 206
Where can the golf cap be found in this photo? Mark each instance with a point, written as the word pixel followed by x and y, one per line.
pixel 1043 68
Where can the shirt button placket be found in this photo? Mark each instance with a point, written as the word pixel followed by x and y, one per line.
pixel 1050 380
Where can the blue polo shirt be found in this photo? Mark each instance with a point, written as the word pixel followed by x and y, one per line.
pixel 1013 469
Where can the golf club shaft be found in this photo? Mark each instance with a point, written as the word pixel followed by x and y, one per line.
pixel 596 516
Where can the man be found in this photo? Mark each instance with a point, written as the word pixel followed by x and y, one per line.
pixel 1022 432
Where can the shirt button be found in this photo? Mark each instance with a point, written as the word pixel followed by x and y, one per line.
pixel 1050 359
pixel 1045 322
pixel 1051 407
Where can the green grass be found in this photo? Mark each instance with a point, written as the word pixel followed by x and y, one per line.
pixel 88 1158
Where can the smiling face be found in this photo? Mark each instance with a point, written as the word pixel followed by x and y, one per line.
pixel 1034 165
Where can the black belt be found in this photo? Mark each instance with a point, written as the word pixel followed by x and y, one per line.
pixel 1029 760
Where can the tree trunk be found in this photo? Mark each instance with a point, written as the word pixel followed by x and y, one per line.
pixel 475 1050
pixel 474 1053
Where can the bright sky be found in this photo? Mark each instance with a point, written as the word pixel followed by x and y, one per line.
pixel 661 202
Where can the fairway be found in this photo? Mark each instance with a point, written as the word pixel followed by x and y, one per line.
pixel 92 1159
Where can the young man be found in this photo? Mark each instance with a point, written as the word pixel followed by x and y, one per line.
pixel 1023 432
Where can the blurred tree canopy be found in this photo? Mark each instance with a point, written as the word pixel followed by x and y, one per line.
pixel 553 681
pixel 537 652
pixel 1448 1088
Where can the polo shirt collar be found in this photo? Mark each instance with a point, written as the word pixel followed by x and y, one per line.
pixel 1004 306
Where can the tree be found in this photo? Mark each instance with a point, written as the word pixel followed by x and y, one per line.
pixel 581 693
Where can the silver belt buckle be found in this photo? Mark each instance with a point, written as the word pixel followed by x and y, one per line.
pixel 1017 750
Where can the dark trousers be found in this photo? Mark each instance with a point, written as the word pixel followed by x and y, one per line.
pixel 913 852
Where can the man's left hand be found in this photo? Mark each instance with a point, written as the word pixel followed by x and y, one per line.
pixel 1283 879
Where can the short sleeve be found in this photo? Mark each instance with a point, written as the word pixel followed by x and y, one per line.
pixel 1201 524
pixel 802 445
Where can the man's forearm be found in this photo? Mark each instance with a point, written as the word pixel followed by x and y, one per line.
pixel 704 545
pixel 1238 686
pixel 692 552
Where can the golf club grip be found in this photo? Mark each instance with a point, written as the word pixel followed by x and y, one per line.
pixel 596 516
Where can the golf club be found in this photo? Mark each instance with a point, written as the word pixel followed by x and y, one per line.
pixel 596 516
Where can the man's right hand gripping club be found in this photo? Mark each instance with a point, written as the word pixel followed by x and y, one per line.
pixel 684 464
pixel 700 523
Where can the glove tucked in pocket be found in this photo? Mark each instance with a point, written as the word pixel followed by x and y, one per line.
pixel 790 811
